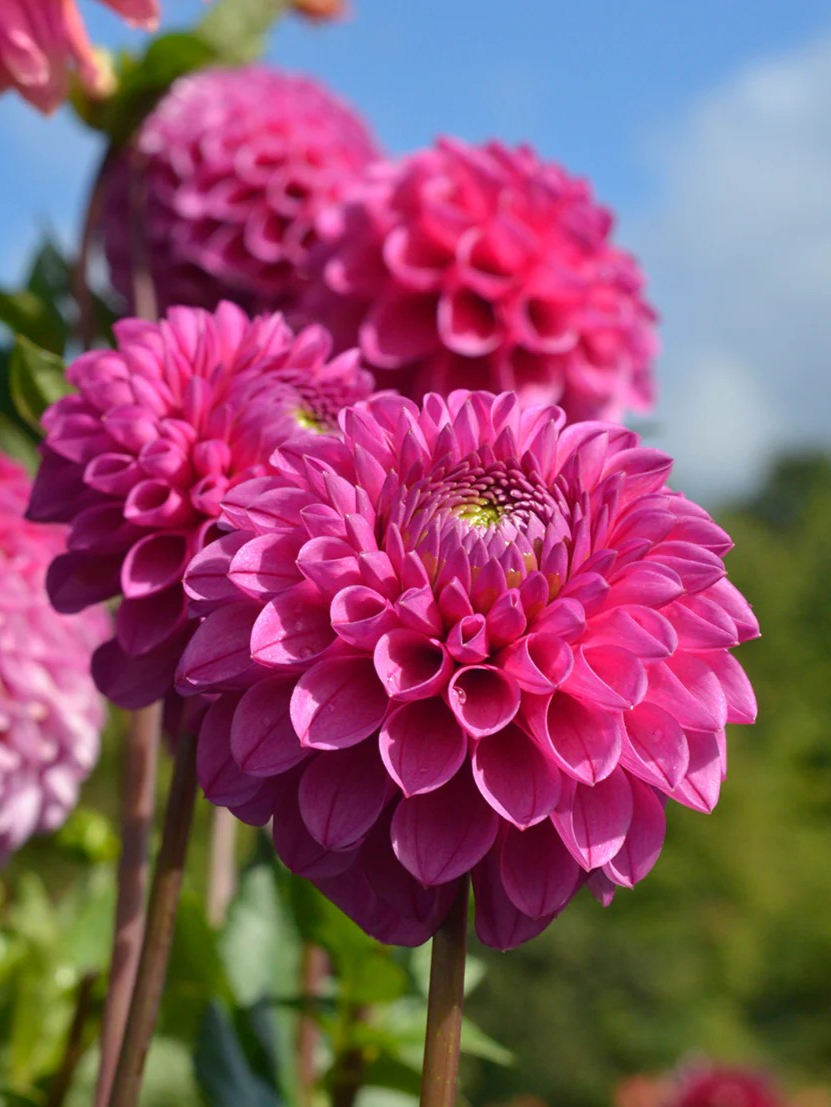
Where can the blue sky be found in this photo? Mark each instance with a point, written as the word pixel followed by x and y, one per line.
pixel 703 126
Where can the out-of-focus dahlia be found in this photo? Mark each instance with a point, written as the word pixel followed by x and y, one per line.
pixel 42 40
pixel 138 460
pixel 483 267
pixel 320 9
pixel 50 712
pixel 236 164
pixel 482 642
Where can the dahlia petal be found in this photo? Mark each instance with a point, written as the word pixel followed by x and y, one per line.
pixel 341 795
pixel 650 584
pixel 442 834
pixel 594 820
pixel 585 740
pixel 642 631
pixel 607 676
pixel 153 503
pixel 295 846
pixel 601 887
pixel 565 618
pixel 353 893
pixel 417 609
pixel 483 698
pixel 697 567
pixel 292 628
pixel 538 873
pixel 75 581
pixel 727 596
pixel 219 654
pixel 263 741
pixel 467 323
pixel 506 619
pixel 265 565
pixel 398 330
pixel 411 666
pixel 329 563
pixel 142 625
pixel 513 775
pixel 687 688
pixel 396 888
pixel 102 530
pixel 539 663
pixel 155 563
pixel 741 702
pixel 702 624
pixel 134 682
pixel 702 781
pixel 360 615
pixel 220 778
pixel 206 577
pixel 499 923
pixel 338 703
pixel 422 745
pixel 256 504
pixel 644 838
pixel 655 747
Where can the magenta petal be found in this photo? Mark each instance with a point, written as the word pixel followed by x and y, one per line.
pixel 468 640
pixel 538 873
pixel 483 698
pixel 644 838
pixel 133 682
pixel 422 745
pixel 221 779
pixel 499 923
pixel 702 782
pixel 411 666
pixel 594 821
pixel 360 615
pixel 687 688
pixel 219 654
pixel 263 741
pixel 397 888
pixel 741 702
pixel 515 777
pixel 76 580
pixel 585 740
pixel 293 627
pixel 330 563
pixel 601 887
pixel 655 748
pixel 206 577
pixel 295 846
pixel 642 631
pixel 338 703
pixel 607 676
pixel 443 834
pixel 142 625
pixel 155 563
pixel 342 794
pixel 539 663
pixel 265 564
pixel 398 330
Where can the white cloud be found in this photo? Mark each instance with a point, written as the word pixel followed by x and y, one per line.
pixel 738 250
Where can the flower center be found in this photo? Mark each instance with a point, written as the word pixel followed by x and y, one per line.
pixel 311 421
pixel 482 514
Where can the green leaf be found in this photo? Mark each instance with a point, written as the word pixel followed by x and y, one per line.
pixel 222 1069
pixel 36 379
pixel 18 443
pixel 27 314
pixel 236 29
pixel 196 974
pixel 389 1072
pixel 476 1043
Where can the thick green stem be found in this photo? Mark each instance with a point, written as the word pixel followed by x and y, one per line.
pixel 444 1006
pixel 161 919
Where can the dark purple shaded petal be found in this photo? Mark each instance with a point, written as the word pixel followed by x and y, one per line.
pixel 422 745
pixel 338 703
pixel 515 777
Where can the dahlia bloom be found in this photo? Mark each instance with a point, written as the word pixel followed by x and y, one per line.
pixel 237 165
pixel 50 713
pixel 724 1087
pixel 41 40
pixel 482 642
pixel 319 10
pixel 484 267
pixel 139 459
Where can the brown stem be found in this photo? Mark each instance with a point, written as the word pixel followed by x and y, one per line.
pixel 222 871
pixel 75 1045
pixel 444 1006
pixel 80 277
pixel 161 918
pixel 313 967
pixel 145 303
pixel 350 1066
pixel 138 786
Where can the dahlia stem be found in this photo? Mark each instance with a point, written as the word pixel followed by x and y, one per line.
pixel 444 1006
pixel 80 277
pixel 145 303
pixel 313 967
pixel 138 789
pixel 222 865
pixel 161 919
pixel 75 1044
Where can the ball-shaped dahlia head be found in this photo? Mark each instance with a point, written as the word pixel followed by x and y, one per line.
pixel 230 173
pixel 483 642
pixel 484 267
pixel 138 460
pixel 722 1086
pixel 51 714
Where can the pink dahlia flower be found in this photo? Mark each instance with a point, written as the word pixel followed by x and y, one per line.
pixel 237 165
pixel 483 267
pixel 724 1087
pixel 139 459
pixel 50 712
pixel 41 40
pixel 482 642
